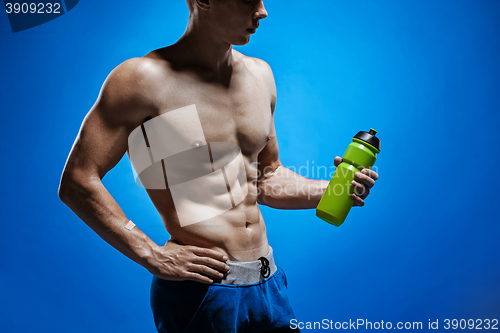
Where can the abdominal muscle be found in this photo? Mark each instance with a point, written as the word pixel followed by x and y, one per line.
pixel 239 233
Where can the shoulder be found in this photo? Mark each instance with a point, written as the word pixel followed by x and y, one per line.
pixel 129 90
pixel 132 79
pixel 257 66
pixel 260 69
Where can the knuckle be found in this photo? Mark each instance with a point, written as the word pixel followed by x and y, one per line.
pixel 183 274
pixel 191 248
pixel 186 256
pixel 357 199
pixel 205 260
pixel 195 277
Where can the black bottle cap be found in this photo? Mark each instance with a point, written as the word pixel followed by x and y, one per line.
pixel 369 138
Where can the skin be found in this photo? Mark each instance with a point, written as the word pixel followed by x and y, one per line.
pixel 236 97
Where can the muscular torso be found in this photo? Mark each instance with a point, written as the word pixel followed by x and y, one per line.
pixel 239 111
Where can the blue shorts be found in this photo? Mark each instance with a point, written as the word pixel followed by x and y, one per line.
pixel 189 306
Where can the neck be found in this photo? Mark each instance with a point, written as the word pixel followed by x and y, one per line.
pixel 203 50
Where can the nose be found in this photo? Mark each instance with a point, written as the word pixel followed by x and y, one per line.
pixel 260 12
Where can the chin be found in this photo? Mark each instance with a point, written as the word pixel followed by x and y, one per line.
pixel 242 41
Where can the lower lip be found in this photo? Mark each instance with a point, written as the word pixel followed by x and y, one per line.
pixel 252 31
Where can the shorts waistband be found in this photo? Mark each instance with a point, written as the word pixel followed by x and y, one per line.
pixel 249 272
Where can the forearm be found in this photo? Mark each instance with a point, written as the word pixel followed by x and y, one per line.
pixel 92 203
pixel 285 189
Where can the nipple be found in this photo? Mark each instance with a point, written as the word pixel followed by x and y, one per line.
pixel 196 144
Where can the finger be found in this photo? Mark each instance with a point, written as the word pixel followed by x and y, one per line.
pixel 216 264
pixel 337 160
pixel 364 179
pixel 203 252
pixel 370 173
pixel 360 190
pixel 357 200
pixel 205 270
pixel 198 278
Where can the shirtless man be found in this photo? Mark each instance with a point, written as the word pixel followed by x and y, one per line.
pixel 198 273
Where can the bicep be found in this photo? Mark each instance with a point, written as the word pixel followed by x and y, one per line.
pixel 268 160
pixel 98 147
pixel 102 140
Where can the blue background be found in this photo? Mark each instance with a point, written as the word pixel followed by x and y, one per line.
pixel 425 74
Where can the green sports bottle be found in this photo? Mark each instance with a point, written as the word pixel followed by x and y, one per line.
pixel 336 201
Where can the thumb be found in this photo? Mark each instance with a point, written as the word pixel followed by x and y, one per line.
pixel 337 160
